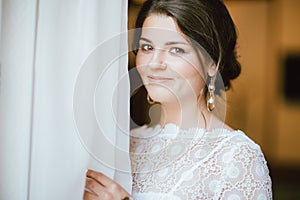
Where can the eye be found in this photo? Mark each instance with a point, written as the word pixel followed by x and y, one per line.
pixel 176 50
pixel 146 47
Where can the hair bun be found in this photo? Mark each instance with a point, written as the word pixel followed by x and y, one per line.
pixel 230 70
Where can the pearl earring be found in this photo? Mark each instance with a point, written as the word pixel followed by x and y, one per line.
pixel 210 104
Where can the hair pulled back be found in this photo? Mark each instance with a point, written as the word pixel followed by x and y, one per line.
pixel 206 22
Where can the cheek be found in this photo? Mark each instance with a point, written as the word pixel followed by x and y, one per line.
pixel 137 60
pixel 190 74
pixel 140 65
pixel 141 72
pixel 142 59
pixel 186 70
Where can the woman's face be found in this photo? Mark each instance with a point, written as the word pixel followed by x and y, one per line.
pixel 169 66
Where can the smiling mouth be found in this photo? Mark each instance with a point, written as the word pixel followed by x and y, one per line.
pixel 158 79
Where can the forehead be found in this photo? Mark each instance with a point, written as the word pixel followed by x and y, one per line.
pixel 160 21
pixel 162 27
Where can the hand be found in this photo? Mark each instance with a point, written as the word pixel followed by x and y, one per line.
pixel 98 187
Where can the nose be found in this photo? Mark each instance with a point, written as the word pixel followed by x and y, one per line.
pixel 158 60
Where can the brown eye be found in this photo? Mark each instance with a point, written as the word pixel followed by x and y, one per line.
pixel 146 47
pixel 176 50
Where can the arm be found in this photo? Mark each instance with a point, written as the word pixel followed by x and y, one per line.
pixel 245 175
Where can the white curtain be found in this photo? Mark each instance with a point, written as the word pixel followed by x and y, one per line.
pixel 64 102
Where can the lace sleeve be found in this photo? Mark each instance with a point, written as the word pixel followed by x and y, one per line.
pixel 245 174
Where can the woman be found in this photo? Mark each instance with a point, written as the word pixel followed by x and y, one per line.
pixel 185 49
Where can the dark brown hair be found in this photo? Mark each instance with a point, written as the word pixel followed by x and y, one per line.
pixel 206 22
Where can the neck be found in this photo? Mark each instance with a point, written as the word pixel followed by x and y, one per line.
pixel 186 114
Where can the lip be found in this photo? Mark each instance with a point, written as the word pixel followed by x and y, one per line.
pixel 158 79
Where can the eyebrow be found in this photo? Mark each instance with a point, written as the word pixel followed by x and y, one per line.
pixel 168 43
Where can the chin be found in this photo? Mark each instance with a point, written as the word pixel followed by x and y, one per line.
pixel 161 94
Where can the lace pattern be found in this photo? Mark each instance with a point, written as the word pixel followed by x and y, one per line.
pixel 168 163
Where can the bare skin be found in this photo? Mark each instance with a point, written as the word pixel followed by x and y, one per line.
pixel 98 187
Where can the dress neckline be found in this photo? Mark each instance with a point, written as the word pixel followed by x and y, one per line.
pixel 171 130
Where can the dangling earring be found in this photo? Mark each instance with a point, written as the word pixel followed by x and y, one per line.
pixel 211 95
pixel 150 101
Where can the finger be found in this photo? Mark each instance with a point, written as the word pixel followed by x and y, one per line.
pixel 89 196
pixel 93 186
pixel 96 190
pixel 104 195
pixel 99 177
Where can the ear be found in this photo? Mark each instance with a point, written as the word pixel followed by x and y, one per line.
pixel 212 69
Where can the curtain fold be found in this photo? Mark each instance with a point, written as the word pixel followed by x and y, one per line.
pixel 60 96
pixel 18 21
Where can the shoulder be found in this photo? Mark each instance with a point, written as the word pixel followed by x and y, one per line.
pixel 236 139
pixel 243 163
pixel 240 147
pixel 142 131
pixel 138 130
pixel 236 152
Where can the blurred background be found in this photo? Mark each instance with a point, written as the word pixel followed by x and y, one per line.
pixel 265 99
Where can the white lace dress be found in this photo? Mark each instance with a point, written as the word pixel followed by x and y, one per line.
pixel 169 163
